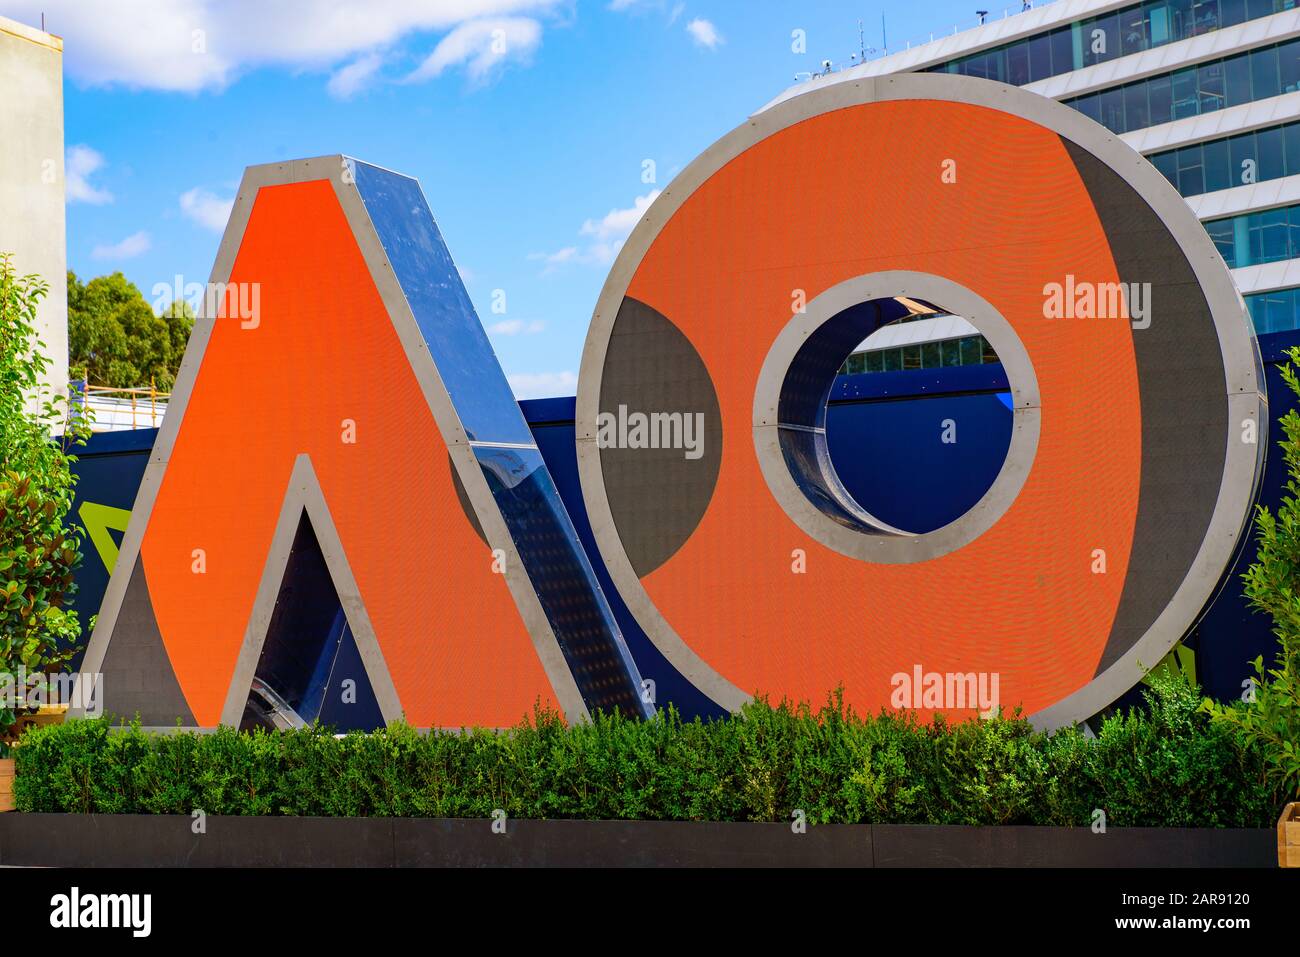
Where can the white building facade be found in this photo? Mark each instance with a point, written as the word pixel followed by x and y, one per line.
pixel 31 178
pixel 1207 90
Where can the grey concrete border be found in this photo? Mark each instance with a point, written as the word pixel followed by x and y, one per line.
pixel 338 170
pixel 1242 387
pixel 892 546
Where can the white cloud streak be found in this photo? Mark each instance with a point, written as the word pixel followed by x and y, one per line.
pixel 129 248
pixel 209 211
pixel 704 33
pixel 541 385
pixel 191 46
pixel 79 164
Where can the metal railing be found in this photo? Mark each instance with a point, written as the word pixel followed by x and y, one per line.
pixel 115 409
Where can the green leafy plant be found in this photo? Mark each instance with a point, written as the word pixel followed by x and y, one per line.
pixel 1164 765
pixel 39 550
pixel 1270 716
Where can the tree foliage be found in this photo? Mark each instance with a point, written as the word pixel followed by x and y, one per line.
pixel 39 551
pixel 116 339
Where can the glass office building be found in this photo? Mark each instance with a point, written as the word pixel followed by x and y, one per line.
pixel 1207 90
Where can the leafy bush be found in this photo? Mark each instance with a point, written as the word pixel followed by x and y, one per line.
pixel 1167 765
pixel 1270 718
pixel 38 551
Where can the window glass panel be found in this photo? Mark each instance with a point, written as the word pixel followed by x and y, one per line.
pixel 1281 311
pixel 1218 168
pixel 1112 110
pixel 952 352
pixel 893 360
pixel 912 357
pixel 1291 137
pixel 1263 73
pixel 1274 236
pixel 1062 51
pixel 1160 94
pixel 1040 58
pixel 1289 66
pixel 1272 164
pixel 1191 182
pixel 1159 28
pixel 1018 64
pixel 1293 237
pixel 1167 163
pixel 1089 106
pixel 931 355
pixel 1231 12
pixel 1260 8
pixel 970 351
pixel 1101 39
pixel 986 351
pixel 1209 78
pixel 1136 114
pixel 1237 72
pixel 1221 232
pixel 1180 18
pixel 1245 159
pixel 874 361
pixel 1132 30
pixel 1205 16
pixel 1185 95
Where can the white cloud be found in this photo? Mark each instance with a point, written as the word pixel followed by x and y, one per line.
pixel 542 385
pixel 132 246
pixel 482 46
pixel 348 81
pixel 618 223
pixel 78 165
pixel 209 211
pixel 704 33
pixel 195 45
pixel 607 236
pixel 516 327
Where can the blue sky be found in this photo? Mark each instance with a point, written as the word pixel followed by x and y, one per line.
pixel 528 123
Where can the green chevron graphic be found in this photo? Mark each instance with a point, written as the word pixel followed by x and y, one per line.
pixel 98 519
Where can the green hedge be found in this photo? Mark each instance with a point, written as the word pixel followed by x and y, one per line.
pixel 1165 765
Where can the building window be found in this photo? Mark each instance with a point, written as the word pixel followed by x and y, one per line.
pixel 1107 36
pixel 1240 160
pixel 1192 91
pixel 1267 236
pixel 1277 311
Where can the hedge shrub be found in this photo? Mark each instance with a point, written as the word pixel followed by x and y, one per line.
pixel 1164 765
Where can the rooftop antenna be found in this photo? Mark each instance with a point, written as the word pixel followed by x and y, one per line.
pixel 981 14
pixel 884 37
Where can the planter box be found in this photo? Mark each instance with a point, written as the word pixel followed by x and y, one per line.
pixel 6 784
pixel 130 840
pixel 1288 836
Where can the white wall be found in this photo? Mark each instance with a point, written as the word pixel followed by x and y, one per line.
pixel 31 176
